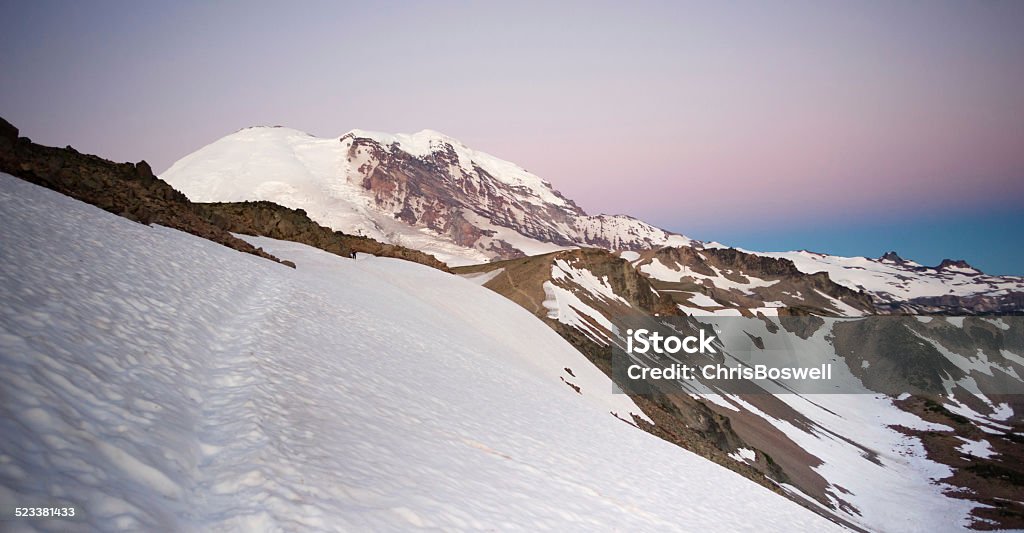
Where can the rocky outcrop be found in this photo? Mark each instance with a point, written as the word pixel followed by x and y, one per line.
pixel 8 133
pixel 892 256
pixel 954 264
pixel 622 277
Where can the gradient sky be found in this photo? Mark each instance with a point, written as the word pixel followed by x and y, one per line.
pixel 842 127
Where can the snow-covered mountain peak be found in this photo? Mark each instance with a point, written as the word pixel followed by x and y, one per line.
pixel 267 130
pixel 904 285
pixel 957 265
pixel 420 143
pixel 423 190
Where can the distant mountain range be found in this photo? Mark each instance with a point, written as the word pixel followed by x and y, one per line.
pixel 432 193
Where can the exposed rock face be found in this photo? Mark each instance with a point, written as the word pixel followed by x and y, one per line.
pixel 445 187
pixel 410 190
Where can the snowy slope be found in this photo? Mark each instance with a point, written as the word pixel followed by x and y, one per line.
pixel 158 381
pixel 423 190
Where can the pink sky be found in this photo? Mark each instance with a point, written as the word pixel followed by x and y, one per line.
pixel 691 115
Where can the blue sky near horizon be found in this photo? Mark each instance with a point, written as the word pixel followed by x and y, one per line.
pixel 992 237
pixel 844 127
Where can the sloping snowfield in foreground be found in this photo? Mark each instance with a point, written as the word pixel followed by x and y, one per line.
pixel 158 381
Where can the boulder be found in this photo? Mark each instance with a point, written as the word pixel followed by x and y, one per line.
pixel 143 171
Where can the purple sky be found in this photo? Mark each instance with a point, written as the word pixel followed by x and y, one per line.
pixel 699 117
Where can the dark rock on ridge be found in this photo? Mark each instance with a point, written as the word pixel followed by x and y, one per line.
pixel 954 263
pixel 278 222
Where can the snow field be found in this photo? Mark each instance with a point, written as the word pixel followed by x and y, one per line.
pixel 158 381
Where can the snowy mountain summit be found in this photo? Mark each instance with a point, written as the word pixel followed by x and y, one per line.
pixel 423 190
